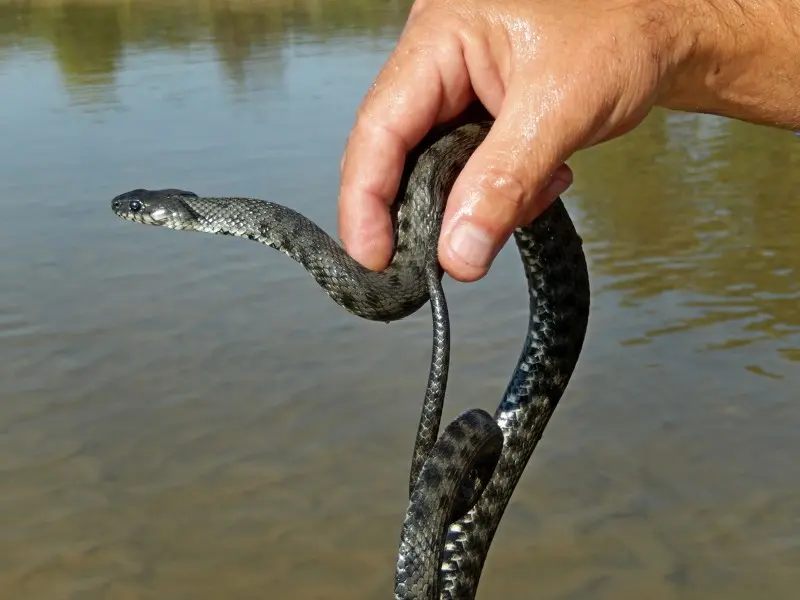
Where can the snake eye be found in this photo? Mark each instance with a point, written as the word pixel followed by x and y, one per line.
pixel 135 206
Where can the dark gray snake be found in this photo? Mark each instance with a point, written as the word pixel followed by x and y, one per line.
pixel 461 482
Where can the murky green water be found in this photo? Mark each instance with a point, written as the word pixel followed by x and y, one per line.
pixel 188 417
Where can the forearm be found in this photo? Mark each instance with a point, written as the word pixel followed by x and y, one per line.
pixel 737 58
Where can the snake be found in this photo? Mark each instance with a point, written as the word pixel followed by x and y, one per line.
pixel 461 480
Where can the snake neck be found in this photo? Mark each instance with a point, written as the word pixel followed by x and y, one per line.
pixel 388 295
pixel 268 223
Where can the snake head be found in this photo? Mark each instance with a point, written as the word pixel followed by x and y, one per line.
pixel 165 208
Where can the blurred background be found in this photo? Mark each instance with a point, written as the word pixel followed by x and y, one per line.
pixel 190 417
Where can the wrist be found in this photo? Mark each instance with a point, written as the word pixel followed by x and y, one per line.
pixel 732 58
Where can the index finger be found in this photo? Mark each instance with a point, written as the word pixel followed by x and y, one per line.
pixel 409 96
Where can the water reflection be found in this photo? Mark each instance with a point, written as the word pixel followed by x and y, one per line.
pixel 188 417
pixel 89 38
pixel 702 206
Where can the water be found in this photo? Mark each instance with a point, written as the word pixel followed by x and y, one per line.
pixel 188 417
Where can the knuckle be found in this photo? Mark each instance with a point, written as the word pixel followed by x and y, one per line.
pixel 501 186
pixel 384 134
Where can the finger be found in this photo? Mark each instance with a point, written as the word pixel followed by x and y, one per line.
pixel 509 180
pixel 419 86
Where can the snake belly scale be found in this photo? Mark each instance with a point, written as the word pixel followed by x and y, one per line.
pixel 462 480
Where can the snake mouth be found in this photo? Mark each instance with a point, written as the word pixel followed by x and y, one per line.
pixel 159 216
pixel 144 218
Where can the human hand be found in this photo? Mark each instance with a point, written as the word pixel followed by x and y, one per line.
pixel 557 77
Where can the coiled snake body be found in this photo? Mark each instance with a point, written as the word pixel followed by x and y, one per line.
pixel 461 482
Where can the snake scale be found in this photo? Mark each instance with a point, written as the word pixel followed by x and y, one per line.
pixel 462 480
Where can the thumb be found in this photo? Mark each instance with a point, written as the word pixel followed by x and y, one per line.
pixel 508 181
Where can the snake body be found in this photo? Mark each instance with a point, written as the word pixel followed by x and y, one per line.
pixel 461 481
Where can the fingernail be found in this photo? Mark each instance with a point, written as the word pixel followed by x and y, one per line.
pixel 472 245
